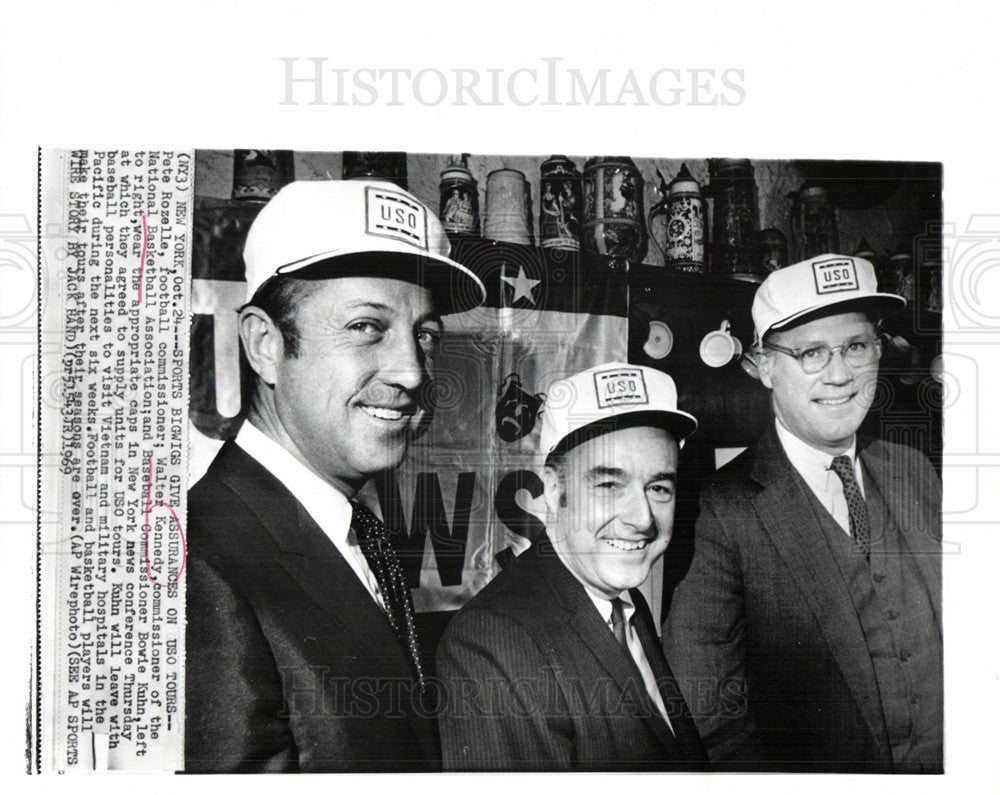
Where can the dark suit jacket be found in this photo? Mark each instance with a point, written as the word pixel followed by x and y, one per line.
pixel 291 666
pixel 763 628
pixel 535 680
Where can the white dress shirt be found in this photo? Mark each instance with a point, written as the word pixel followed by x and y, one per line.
pixel 328 507
pixel 604 607
pixel 814 466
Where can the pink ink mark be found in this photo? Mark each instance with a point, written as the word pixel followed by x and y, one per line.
pixel 142 262
pixel 145 529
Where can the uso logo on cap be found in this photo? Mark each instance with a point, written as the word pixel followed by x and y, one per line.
pixel 835 276
pixel 620 387
pixel 396 216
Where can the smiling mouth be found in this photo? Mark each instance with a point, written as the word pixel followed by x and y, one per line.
pixel 834 401
pixel 626 546
pixel 387 414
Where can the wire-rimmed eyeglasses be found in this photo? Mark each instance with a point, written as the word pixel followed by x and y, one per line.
pixel 856 353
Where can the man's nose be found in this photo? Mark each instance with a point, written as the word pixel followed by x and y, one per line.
pixel 837 370
pixel 634 509
pixel 404 364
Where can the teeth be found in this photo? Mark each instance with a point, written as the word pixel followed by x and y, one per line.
pixel 383 413
pixel 834 401
pixel 625 545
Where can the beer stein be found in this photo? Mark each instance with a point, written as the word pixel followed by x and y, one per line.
pixel 258 174
pixel 559 215
pixel 390 166
pixel 613 217
pixel 813 223
pixel 683 209
pixel 507 207
pixel 735 217
pixel 459 200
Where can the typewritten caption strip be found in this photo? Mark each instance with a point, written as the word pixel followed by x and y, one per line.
pixel 115 241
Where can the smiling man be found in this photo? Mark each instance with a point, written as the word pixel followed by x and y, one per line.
pixel 807 632
pixel 302 653
pixel 556 664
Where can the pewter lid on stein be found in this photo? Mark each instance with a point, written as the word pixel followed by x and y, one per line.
pixel 458 168
pixel 599 162
pixel 901 253
pixel 684 182
pixel 558 164
pixel 457 172
pixel 812 191
pixel 865 250
pixel 506 171
pixel 719 164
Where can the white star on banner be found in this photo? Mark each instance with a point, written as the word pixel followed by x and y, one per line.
pixel 523 286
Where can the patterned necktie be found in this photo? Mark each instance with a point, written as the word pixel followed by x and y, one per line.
pixel 374 541
pixel 618 621
pixel 856 505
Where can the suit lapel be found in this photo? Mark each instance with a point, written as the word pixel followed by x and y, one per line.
pixel 595 635
pixel 328 580
pixel 343 606
pixel 785 511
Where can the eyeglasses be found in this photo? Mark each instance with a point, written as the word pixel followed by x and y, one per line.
pixel 856 353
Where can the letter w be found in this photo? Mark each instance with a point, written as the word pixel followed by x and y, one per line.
pixel 429 517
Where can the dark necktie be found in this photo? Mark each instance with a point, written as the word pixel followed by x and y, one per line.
pixel 618 622
pixel 856 505
pixel 374 541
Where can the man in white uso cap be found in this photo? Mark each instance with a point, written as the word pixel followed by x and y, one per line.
pixel 302 653
pixel 556 664
pixel 807 632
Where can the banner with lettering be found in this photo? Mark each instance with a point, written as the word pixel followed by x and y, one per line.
pixel 468 497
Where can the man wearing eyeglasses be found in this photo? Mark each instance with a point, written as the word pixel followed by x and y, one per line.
pixel 807 632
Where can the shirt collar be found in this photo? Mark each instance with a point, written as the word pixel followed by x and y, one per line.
pixel 328 507
pixel 812 464
pixel 603 604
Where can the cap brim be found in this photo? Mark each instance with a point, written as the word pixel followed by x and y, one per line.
pixel 882 302
pixel 455 288
pixel 678 424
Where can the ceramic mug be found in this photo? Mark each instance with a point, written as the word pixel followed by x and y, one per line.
pixel 660 340
pixel 718 348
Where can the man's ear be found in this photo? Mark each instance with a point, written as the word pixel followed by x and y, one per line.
pixel 765 366
pixel 262 343
pixel 553 490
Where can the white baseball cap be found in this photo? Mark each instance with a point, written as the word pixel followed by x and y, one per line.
pixel 607 398
pixel 341 223
pixel 790 295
